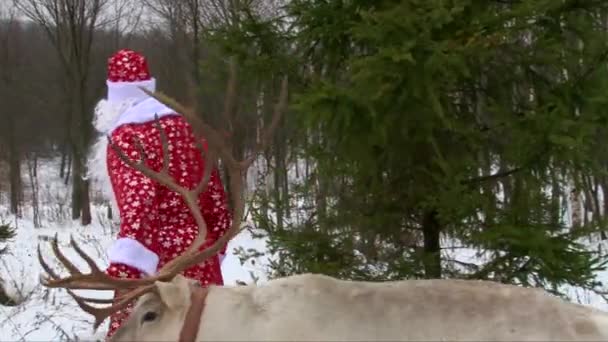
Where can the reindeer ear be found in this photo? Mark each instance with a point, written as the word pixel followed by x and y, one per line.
pixel 174 294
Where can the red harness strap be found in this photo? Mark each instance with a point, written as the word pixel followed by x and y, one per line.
pixel 193 317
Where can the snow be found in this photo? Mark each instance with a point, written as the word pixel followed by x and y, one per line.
pixel 53 315
pixel 44 314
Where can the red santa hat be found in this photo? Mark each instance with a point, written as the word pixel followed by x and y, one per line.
pixel 127 72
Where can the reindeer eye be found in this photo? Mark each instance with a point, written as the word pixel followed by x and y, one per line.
pixel 149 316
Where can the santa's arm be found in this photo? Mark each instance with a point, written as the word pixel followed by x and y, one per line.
pixel 136 250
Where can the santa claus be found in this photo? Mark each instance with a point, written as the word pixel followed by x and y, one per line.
pixel 155 223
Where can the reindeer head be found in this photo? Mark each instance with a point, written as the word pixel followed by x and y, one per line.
pixel 158 315
pixel 164 298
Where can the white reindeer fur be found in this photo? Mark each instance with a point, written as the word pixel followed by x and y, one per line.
pixel 319 308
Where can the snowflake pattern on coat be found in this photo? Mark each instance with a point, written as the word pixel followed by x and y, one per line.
pixel 155 216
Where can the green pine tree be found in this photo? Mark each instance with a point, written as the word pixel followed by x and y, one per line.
pixel 431 126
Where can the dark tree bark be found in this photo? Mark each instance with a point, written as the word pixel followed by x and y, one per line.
pixel 16 184
pixel 70 27
pixel 431 230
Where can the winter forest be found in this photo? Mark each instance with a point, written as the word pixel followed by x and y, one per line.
pixel 422 139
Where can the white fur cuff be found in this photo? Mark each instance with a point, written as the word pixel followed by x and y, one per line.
pixel 133 253
pixel 120 91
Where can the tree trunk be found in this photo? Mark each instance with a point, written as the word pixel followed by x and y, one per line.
pixel 76 187
pixel 32 168
pixel 5 300
pixel 80 133
pixel 556 193
pixel 431 230
pixel 603 184
pixel 278 171
pixel 285 177
pixel 81 208
pixel 85 206
pixel 16 186
pixel 489 189
pixel 68 169
pixel 577 210
pixel 321 191
pixel 196 43
pixel 64 160
pixel 67 148
pixel 592 195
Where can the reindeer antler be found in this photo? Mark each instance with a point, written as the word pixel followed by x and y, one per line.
pixel 218 147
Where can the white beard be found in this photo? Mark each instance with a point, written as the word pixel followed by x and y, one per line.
pixel 106 115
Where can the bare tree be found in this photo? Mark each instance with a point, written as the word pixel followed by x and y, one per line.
pixel 32 170
pixel 186 21
pixel 10 66
pixel 125 21
pixel 70 26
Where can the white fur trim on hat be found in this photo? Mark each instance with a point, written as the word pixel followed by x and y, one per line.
pixel 120 91
pixel 133 253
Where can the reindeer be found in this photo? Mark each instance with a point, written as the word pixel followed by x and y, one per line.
pixel 309 307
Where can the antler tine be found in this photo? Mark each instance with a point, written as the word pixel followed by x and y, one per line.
pixel 217 143
pixel 96 280
pixel 218 147
pixel 92 265
pixel 101 313
pixel 164 144
pixel 190 198
pixel 46 267
pixel 210 163
pixel 162 176
pixel 236 178
pixel 215 140
pixel 93 300
pixel 235 168
pixel 193 256
pixel 236 183
pixel 64 260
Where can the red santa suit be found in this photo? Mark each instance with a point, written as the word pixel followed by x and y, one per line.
pixel 155 223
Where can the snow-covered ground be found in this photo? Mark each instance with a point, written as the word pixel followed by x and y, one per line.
pixel 45 315
pixel 52 315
